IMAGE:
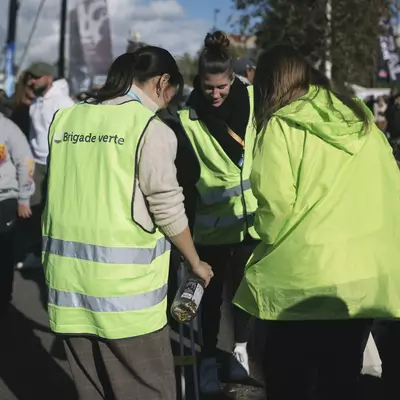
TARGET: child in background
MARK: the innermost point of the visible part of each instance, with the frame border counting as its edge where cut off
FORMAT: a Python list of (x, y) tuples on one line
[(16, 188)]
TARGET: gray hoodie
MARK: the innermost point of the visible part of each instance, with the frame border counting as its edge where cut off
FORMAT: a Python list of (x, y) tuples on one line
[(16, 163)]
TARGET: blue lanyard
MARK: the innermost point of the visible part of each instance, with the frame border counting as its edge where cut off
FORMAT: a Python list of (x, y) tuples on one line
[(134, 95)]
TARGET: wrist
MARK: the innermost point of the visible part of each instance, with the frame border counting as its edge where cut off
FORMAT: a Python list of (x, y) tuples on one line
[(23, 202), (194, 263)]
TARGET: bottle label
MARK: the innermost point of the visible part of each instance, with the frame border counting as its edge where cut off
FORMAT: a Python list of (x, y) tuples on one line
[(198, 294), (193, 291)]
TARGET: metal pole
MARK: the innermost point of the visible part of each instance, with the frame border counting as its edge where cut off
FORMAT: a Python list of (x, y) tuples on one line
[(28, 43), (10, 48), (193, 351), (12, 20), (63, 27), (328, 62), (181, 276)]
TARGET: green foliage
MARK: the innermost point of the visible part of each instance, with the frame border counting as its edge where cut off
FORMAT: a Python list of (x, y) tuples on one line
[(188, 67), (352, 40)]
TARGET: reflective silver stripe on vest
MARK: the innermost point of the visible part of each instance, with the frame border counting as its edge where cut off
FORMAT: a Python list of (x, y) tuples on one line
[(219, 195), (210, 221), (108, 304), (102, 254)]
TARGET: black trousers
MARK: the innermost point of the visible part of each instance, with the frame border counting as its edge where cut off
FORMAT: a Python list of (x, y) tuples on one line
[(228, 263), (319, 360), (8, 215), (387, 337)]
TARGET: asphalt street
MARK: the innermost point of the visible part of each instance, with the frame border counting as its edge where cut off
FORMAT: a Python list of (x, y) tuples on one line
[(33, 364), (32, 359)]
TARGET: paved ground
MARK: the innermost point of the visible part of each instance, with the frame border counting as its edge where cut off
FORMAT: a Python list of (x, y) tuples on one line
[(32, 360), (33, 365)]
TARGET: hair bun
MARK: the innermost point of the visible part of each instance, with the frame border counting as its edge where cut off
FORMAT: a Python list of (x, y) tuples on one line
[(216, 41)]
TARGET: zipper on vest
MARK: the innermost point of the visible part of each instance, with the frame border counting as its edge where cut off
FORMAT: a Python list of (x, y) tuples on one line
[(246, 228)]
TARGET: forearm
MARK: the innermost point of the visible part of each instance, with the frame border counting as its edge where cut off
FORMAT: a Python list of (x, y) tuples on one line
[(22, 159), (184, 243), (158, 181), (25, 171)]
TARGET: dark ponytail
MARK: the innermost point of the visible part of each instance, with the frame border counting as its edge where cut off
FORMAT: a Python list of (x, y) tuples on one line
[(139, 66), (215, 58)]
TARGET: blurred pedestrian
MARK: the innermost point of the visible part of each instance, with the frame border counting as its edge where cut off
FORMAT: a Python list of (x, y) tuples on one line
[(328, 192), (370, 102), (5, 104), (22, 100), (219, 124), (390, 107), (16, 188), (244, 69), (380, 108), (393, 117), (113, 203), (50, 95)]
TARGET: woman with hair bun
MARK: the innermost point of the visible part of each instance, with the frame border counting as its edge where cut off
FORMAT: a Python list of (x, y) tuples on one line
[(218, 124)]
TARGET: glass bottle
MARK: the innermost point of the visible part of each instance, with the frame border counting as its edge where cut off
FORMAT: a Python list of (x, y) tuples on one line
[(188, 297)]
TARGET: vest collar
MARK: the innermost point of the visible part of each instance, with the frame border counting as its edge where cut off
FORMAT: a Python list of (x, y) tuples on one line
[(193, 114), (145, 100)]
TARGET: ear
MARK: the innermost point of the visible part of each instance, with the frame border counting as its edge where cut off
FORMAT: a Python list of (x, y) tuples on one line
[(233, 77), (164, 80)]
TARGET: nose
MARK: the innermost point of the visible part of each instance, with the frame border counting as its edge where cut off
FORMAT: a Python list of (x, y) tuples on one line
[(216, 94)]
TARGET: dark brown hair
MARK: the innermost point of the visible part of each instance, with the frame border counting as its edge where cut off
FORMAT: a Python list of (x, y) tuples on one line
[(282, 76), (215, 58)]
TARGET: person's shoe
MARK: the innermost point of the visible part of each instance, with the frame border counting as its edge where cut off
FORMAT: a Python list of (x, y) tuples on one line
[(239, 369), (31, 261), (209, 381)]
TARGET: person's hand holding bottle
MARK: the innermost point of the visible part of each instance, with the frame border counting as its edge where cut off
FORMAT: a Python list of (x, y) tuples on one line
[(203, 271), (185, 245)]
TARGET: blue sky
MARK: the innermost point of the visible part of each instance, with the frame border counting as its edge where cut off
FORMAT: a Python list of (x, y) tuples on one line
[(204, 9)]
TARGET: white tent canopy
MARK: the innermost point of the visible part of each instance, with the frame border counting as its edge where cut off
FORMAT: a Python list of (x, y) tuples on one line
[(362, 92)]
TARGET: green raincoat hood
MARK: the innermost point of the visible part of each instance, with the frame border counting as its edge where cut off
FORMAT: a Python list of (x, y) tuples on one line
[(314, 113)]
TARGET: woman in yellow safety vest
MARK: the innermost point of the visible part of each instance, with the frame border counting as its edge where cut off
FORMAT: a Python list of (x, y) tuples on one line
[(113, 203), (218, 125), (328, 190)]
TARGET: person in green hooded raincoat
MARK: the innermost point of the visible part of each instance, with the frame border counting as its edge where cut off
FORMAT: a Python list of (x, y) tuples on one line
[(328, 192)]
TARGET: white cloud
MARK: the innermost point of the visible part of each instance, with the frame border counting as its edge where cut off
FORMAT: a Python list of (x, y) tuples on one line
[(159, 22)]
